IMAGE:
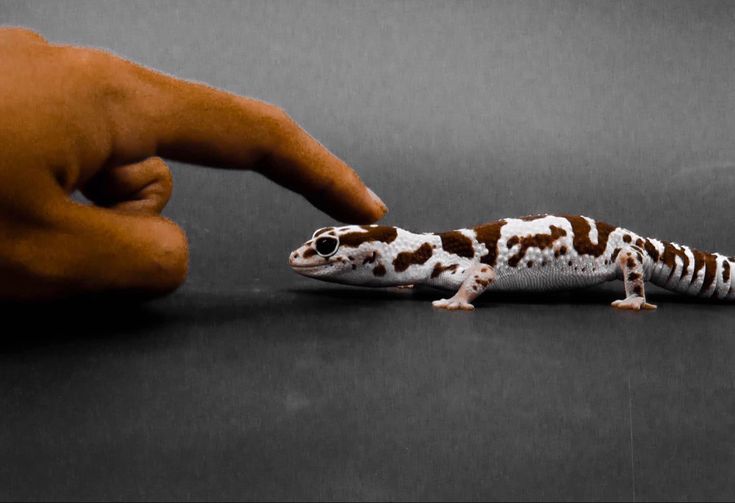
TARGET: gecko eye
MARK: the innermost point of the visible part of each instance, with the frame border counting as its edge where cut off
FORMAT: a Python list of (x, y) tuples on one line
[(327, 246)]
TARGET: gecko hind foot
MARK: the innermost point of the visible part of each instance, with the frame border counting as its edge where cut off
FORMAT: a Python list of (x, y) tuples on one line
[(453, 305), (633, 303)]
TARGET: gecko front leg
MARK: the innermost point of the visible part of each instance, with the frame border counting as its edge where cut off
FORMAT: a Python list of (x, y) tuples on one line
[(630, 261), (479, 277)]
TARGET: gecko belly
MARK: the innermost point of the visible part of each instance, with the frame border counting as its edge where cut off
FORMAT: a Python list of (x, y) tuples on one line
[(548, 280), (540, 276)]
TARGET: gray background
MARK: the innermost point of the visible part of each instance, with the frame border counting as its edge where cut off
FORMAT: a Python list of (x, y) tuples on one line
[(251, 382)]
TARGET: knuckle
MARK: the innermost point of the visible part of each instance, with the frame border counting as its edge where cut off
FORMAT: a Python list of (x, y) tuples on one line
[(279, 121), (86, 58), (25, 33), (171, 260), (163, 176), (277, 114), (160, 169), (101, 70)]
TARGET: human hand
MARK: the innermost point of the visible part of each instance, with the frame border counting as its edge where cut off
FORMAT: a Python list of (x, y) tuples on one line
[(75, 118)]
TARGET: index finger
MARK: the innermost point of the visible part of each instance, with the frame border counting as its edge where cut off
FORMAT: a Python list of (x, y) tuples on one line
[(199, 124)]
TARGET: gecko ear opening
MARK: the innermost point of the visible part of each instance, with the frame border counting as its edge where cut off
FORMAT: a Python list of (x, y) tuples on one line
[(327, 246)]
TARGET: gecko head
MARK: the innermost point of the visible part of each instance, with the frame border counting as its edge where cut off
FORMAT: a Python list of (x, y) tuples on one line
[(348, 254)]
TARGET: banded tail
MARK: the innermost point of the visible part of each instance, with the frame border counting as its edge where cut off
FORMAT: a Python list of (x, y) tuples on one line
[(690, 271)]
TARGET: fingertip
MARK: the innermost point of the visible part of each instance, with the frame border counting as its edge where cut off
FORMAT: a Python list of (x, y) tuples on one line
[(382, 208), (367, 209), (351, 205)]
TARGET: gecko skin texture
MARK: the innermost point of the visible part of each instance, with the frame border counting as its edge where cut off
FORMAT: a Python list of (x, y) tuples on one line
[(533, 254)]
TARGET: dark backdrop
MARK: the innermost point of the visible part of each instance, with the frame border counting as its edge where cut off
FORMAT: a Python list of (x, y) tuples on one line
[(251, 382)]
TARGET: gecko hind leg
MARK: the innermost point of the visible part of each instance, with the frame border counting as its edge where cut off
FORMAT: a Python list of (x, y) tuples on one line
[(479, 277), (630, 262)]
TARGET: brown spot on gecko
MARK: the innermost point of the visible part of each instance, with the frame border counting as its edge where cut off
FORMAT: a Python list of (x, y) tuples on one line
[(633, 276), (639, 243), (309, 252), (709, 262), (581, 229), (370, 259), (482, 282), (614, 254), (710, 270), (379, 270), (530, 263), (638, 290), (489, 234), (725, 271), (651, 250), (699, 263), (383, 233), (569, 263), (669, 259), (627, 238), (419, 256), (630, 262), (457, 243), (541, 241), (438, 269)]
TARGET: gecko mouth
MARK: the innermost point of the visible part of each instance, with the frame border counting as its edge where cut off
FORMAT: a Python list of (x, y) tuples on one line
[(308, 267)]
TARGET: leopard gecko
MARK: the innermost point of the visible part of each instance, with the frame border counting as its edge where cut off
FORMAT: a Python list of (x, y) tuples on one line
[(532, 253)]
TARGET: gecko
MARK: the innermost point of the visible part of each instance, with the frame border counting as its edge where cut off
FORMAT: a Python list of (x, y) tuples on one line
[(533, 253)]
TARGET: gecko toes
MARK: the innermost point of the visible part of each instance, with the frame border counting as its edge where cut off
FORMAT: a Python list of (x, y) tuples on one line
[(633, 303), (453, 305)]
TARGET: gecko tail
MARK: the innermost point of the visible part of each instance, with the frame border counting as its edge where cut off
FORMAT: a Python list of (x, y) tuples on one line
[(689, 271)]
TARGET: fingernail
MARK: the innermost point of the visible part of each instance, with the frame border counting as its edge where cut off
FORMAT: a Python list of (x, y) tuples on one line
[(378, 200)]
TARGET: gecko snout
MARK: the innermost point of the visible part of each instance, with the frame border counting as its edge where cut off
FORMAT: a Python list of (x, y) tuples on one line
[(305, 256)]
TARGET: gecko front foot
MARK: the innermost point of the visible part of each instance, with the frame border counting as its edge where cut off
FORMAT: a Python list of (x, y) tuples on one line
[(633, 303), (453, 304)]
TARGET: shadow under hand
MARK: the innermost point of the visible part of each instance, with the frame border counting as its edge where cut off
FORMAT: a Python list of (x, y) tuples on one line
[(39, 325)]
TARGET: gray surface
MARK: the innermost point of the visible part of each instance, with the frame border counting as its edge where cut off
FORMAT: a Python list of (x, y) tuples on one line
[(254, 383)]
